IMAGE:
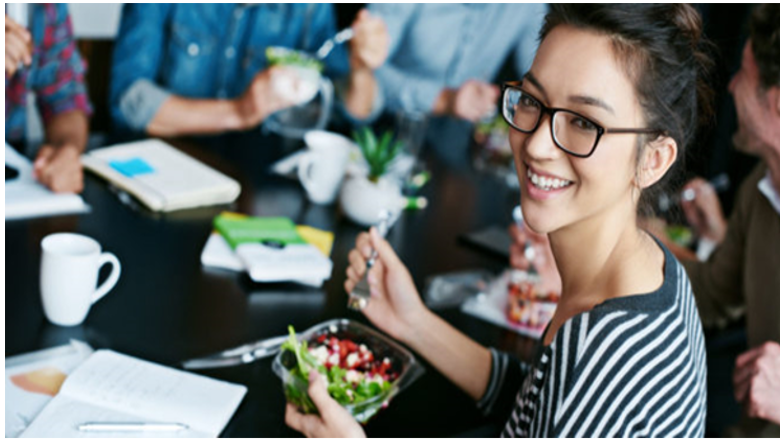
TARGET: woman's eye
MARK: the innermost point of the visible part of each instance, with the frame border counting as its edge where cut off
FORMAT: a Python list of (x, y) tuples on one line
[(527, 102), (583, 124)]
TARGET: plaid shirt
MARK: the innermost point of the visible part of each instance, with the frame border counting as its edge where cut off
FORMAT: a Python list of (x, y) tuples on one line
[(56, 74)]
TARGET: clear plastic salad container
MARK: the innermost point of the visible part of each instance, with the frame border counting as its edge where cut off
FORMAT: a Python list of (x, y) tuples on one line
[(403, 363)]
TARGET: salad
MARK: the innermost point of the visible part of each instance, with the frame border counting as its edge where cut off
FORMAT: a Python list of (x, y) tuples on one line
[(354, 374), (291, 57)]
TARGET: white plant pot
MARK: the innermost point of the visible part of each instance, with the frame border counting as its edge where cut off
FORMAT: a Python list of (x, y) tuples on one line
[(362, 200)]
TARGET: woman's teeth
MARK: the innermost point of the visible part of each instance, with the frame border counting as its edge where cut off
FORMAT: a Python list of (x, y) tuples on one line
[(547, 183)]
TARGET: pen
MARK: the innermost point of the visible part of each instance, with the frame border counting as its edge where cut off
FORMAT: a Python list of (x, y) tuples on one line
[(131, 426)]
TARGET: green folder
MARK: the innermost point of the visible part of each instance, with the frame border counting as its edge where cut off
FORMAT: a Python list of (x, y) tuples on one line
[(273, 230)]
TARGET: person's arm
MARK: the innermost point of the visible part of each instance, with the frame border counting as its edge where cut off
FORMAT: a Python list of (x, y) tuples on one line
[(139, 104), (704, 212), (402, 90), (352, 65), (58, 162), (528, 34), (18, 47), (717, 283), (179, 116), (396, 308), (369, 48), (63, 104)]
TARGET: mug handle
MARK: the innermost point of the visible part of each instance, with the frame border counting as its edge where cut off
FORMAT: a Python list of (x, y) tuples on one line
[(305, 164), (107, 257), (326, 90)]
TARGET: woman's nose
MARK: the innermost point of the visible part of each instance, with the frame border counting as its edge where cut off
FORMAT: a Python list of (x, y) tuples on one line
[(540, 144)]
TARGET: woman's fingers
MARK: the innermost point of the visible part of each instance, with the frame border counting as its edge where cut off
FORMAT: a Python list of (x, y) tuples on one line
[(306, 424), (352, 275), (357, 262), (363, 245)]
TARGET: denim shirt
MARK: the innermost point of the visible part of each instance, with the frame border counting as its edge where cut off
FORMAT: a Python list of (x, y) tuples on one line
[(206, 51), (433, 46)]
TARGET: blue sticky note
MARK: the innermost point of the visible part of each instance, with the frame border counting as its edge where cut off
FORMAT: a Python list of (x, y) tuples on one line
[(132, 167)]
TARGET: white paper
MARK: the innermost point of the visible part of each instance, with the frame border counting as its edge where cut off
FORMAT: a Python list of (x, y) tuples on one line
[(25, 197), (113, 387), (22, 402), (217, 253), (293, 262)]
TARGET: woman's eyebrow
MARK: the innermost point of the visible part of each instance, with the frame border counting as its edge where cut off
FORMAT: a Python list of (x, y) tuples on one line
[(590, 100), (579, 99), (532, 79)]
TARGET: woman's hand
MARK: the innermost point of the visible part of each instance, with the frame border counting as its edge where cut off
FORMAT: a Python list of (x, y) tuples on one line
[(333, 422), (395, 305)]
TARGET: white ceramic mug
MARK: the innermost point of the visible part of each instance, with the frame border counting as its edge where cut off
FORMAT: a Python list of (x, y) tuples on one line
[(321, 169), (69, 274)]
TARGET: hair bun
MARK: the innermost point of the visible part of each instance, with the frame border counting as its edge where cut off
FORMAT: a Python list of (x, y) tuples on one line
[(689, 22)]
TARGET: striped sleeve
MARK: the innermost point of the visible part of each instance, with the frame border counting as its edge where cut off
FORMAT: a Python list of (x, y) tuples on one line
[(506, 377)]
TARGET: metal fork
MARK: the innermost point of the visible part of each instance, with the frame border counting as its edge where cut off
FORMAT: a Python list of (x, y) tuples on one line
[(358, 298)]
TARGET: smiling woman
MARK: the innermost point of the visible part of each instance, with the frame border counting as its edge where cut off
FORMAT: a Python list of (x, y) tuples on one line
[(608, 105), (611, 349)]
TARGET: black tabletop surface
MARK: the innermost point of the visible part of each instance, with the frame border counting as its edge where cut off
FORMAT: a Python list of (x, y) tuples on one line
[(167, 307)]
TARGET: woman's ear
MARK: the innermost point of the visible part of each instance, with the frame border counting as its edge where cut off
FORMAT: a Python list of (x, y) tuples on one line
[(657, 157)]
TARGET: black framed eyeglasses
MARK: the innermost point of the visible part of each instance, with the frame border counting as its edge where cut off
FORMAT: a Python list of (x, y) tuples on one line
[(572, 132)]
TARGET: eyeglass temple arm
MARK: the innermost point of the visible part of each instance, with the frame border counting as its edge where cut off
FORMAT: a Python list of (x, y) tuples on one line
[(633, 130)]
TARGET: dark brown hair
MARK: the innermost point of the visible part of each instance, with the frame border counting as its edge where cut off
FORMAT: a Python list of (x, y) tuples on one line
[(665, 55), (765, 42)]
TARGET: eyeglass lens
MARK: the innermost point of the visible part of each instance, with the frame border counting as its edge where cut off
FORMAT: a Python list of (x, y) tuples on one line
[(571, 131)]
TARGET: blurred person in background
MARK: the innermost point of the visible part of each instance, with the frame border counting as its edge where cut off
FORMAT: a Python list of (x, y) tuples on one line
[(41, 57), (742, 276), (443, 57), (190, 69)]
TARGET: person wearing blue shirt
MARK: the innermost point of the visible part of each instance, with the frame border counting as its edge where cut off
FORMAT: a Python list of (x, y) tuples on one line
[(443, 56), (194, 69)]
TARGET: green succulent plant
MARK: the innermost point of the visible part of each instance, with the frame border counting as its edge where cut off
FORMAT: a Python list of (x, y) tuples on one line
[(379, 153)]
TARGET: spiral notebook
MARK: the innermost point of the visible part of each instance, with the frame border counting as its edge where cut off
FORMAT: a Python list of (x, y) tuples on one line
[(112, 387)]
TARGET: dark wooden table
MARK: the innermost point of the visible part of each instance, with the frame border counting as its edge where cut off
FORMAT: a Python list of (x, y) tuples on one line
[(166, 307)]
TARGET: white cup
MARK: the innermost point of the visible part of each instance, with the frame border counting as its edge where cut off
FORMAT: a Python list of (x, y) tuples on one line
[(321, 169), (69, 274)]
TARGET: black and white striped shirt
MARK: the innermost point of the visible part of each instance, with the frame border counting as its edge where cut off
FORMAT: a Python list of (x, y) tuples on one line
[(631, 367)]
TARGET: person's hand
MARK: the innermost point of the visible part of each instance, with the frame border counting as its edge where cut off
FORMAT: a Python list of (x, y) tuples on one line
[(260, 99), (333, 421), (18, 46), (757, 381), (471, 101), (704, 213), (395, 306), (371, 42), (59, 168), (543, 260)]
